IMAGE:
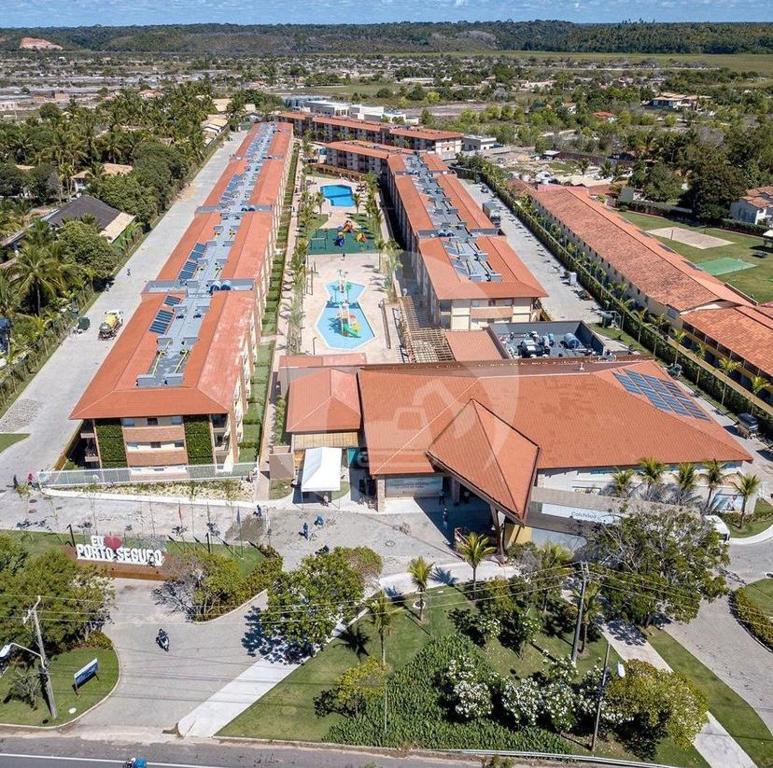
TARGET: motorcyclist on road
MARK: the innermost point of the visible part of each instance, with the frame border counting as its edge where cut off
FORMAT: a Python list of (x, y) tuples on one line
[(162, 639)]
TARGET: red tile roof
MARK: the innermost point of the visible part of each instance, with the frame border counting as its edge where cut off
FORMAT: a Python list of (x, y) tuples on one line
[(348, 122), (471, 346), (325, 401), (659, 273), (746, 331), (470, 212), (448, 283), (320, 361), (366, 148), (576, 412), (428, 134), (210, 374), (760, 197), (489, 456)]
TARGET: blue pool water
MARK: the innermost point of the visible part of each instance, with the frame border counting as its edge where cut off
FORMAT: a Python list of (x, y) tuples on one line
[(330, 325), (338, 195)]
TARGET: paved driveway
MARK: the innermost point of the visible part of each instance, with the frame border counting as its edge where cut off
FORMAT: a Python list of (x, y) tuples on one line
[(43, 408), (156, 688)]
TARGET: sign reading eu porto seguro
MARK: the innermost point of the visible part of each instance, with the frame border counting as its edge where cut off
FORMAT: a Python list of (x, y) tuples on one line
[(85, 673), (110, 549)]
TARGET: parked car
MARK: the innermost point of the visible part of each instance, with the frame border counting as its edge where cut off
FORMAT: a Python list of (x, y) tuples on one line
[(747, 425)]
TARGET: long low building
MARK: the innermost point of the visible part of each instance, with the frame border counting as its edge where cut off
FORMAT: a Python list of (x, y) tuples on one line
[(499, 429), (722, 320), (467, 273), (446, 144), (174, 389), (360, 156)]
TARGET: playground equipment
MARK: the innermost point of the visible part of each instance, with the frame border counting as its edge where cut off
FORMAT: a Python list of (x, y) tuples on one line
[(347, 227), (348, 324), (111, 322), (360, 237)]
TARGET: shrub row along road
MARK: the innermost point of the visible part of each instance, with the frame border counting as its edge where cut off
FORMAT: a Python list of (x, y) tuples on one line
[(44, 406)]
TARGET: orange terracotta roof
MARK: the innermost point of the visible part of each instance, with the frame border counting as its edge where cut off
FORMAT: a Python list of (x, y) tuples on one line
[(414, 204), (294, 115), (760, 197), (250, 249), (428, 134), (448, 283), (209, 378), (200, 230), (268, 183), (348, 122), (746, 331), (280, 143), (470, 212), (576, 412), (489, 456), (659, 273), (470, 346), (325, 401), (434, 162), (366, 148), (320, 361)]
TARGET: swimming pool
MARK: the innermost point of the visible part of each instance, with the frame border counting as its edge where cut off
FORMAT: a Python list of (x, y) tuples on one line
[(342, 330), (338, 195)]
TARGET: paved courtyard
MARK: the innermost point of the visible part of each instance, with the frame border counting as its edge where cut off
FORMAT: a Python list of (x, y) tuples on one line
[(43, 408)]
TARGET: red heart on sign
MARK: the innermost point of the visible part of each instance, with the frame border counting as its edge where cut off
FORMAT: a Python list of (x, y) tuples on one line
[(113, 542)]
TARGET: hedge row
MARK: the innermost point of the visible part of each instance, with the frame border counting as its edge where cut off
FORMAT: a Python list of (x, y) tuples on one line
[(752, 617), (111, 445)]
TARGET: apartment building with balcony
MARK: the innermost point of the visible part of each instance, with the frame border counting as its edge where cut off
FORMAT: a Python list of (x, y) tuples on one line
[(174, 388)]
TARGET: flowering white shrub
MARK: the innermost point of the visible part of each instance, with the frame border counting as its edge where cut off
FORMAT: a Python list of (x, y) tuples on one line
[(470, 693), (522, 700)]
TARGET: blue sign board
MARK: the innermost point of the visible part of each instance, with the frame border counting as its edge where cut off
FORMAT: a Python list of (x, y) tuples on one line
[(86, 673)]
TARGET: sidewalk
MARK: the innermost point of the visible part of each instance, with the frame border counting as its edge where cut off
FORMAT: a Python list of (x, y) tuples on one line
[(229, 702), (758, 538), (714, 743)]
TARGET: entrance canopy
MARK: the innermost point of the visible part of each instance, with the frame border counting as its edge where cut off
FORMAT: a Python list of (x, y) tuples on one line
[(321, 470)]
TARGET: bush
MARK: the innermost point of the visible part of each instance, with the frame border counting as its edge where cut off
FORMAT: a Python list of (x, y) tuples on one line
[(363, 561), (418, 715), (98, 639), (752, 618)]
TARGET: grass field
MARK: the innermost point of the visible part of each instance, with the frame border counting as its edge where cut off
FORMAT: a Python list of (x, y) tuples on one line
[(756, 282), (7, 439), (62, 669), (761, 594), (287, 712), (738, 718)]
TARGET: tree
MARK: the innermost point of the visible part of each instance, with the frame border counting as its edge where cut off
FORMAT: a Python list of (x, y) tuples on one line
[(36, 273), (662, 184), (728, 367), (622, 483), (714, 475), (474, 549), (591, 608), (651, 470), (715, 185), (686, 481), (305, 605), (554, 565), (12, 180), (83, 244), (26, 686), (679, 337), (381, 612), (655, 704), (747, 486), (358, 685), (658, 561), (420, 571)]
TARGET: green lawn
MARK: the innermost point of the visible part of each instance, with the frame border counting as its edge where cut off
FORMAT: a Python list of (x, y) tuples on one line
[(761, 594), (287, 712), (7, 439), (756, 281), (62, 669), (738, 718), (755, 523)]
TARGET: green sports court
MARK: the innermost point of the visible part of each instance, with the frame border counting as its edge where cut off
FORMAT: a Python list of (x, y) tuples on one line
[(724, 265), (323, 241)]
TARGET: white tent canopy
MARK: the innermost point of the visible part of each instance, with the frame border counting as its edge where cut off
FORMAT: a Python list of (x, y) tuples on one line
[(321, 470)]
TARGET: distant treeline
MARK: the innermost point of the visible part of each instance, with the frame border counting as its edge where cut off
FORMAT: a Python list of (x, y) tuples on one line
[(560, 36)]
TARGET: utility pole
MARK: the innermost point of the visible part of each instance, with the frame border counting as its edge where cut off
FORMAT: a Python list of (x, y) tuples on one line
[(602, 685), (580, 609), (43, 658)]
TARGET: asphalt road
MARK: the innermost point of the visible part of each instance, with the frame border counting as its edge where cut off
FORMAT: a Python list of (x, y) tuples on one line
[(62, 752)]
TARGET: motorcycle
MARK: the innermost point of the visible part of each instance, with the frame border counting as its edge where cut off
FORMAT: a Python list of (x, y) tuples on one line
[(163, 640)]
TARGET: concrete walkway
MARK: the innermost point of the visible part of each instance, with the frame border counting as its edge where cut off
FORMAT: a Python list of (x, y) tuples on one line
[(715, 744), (229, 702), (758, 538), (42, 410)]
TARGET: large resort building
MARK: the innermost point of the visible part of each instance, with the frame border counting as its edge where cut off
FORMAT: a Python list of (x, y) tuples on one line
[(173, 391), (723, 321)]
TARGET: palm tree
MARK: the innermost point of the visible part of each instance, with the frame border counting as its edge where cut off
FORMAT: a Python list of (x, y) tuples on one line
[(640, 315), (319, 201), (591, 608), (553, 562), (700, 352), (474, 549), (381, 612), (758, 385), (714, 475), (679, 337), (621, 483), (357, 197), (686, 481), (747, 486), (727, 367), (651, 471), (420, 571), (34, 271)]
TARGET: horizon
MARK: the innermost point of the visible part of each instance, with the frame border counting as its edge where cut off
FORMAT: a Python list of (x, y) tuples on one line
[(24, 14)]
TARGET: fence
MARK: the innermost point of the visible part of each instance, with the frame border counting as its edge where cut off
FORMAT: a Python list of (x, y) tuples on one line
[(74, 478)]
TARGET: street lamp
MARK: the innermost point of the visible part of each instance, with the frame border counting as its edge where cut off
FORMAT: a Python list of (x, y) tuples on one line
[(602, 688)]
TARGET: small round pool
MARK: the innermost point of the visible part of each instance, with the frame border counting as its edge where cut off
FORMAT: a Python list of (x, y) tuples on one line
[(338, 195)]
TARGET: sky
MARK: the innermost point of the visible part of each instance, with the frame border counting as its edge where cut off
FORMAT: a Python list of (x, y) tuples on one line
[(70, 13)]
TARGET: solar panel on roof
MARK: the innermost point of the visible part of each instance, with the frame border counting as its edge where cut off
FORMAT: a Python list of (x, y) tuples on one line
[(172, 301), (665, 395)]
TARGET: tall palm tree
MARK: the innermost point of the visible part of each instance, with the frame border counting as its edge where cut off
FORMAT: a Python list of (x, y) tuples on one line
[(420, 571), (679, 337), (319, 201), (39, 234), (35, 272), (686, 481), (381, 612), (714, 475), (474, 549), (553, 563), (640, 315), (651, 471), (747, 486), (591, 608), (758, 385), (621, 483), (727, 367), (357, 197)]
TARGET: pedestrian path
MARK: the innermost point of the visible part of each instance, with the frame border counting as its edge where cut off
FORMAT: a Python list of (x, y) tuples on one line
[(717, 747), (229, 702)]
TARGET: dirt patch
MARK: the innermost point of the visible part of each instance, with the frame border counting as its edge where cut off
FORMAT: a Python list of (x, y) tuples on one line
[(689, 237)]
